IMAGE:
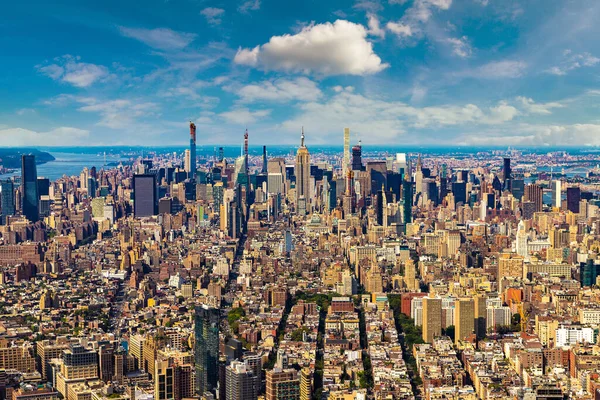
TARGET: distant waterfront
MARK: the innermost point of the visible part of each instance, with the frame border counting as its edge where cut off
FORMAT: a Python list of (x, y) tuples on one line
[(70, 164), (70, 161)]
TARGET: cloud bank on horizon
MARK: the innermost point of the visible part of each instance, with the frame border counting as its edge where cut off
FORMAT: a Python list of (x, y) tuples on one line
[(414, 72)]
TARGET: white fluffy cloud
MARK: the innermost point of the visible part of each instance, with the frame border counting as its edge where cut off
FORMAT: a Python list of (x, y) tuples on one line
[(280, 90), (71, 70), (340, 48), (159, 38), (213, 15), (57, 136), (244, 116)]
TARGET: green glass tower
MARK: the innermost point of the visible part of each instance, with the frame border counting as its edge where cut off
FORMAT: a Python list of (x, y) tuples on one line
[(206, 349)]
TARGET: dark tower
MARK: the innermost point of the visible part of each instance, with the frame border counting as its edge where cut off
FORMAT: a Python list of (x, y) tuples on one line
[(407, 188), (357, 157), (264, 166), (193, 150), (144, 195), (380, 194), (573, 199), (246, 150), (206, 352), (507, 174), (7, 199), (29, 187)]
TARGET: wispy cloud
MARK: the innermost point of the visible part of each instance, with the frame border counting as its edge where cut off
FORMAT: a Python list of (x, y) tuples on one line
[(504, 69), (249, 5), (278, 90), (460, 46), (532, 107), (213, 15), (159, 38), (416, 16), (54, 137), (244, 116), (573, 61), (120, 113), (374, 27), (69, 69)]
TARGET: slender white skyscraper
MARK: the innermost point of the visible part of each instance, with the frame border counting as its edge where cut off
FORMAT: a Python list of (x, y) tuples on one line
[(346, 158), (557, 194)]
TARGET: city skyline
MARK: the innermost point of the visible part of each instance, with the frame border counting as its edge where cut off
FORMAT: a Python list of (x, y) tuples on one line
[(476, 73)]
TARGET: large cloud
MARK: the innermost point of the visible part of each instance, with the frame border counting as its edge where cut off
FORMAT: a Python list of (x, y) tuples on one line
[(382, 120), (340, 48)]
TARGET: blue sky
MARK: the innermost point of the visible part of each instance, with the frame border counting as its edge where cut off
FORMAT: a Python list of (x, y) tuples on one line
[(415, 72)]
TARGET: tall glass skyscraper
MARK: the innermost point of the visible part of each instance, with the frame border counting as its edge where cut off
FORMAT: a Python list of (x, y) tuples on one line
[(206, 350), (7, 189), (29, 187), (192, 150), (144, 195)]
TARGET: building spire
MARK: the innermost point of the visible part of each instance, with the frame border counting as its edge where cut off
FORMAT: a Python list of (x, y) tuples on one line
[(302, 138)]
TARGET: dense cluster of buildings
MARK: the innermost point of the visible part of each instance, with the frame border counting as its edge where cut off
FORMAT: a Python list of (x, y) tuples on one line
[(306, 276)]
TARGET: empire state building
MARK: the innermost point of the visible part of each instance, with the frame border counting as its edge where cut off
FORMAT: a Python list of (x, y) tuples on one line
[(302, 171)]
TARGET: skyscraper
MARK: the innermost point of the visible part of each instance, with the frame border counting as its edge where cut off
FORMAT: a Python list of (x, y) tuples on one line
[(7, 201), (282, 384), (206, 349), (164, 380), (407, 198), (302, 172), (432, 318), (187, 161), (459, 190), (193, 150), (480, 315), (534, 193), (357, 157), (507, 174), (144, 195), (346, 155), (573, 199), (246, 151), (557, 194), (29, 187), (464, 318), (241, 382), (265, 163)]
